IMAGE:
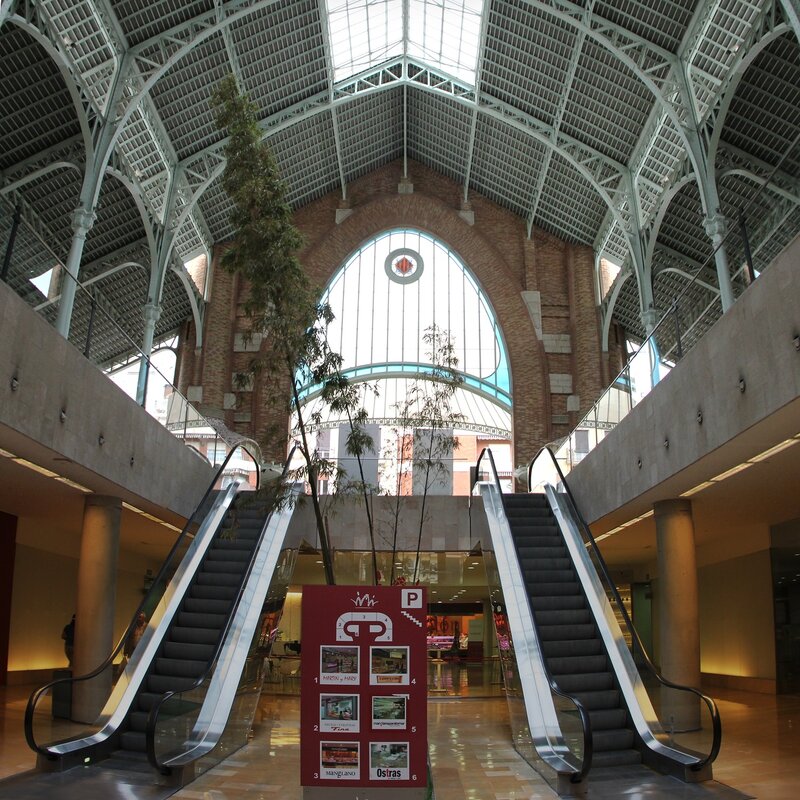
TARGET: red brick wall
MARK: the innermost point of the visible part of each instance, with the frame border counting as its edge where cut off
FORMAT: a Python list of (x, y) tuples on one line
[(498, 252)]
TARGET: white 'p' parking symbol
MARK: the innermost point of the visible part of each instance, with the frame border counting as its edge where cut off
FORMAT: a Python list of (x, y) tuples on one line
[(411, 598)]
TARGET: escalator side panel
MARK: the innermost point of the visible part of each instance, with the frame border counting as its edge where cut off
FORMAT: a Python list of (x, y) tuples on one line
[(542, 718), (642, 716), (570, 641), (216, 709)]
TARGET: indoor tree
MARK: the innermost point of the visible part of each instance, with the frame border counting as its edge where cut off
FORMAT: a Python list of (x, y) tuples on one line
[(434, 414), (282, 305)]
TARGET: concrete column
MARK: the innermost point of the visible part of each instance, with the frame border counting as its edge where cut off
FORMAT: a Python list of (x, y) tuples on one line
[(678, 612), (94, 620), (82, 221), (716, 228)]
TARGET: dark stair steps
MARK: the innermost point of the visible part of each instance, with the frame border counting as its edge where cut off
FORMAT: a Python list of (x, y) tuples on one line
[(570, 640), (190, 642)]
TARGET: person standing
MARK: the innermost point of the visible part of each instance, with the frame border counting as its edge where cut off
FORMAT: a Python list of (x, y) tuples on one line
[(68, 635), (135, 635)]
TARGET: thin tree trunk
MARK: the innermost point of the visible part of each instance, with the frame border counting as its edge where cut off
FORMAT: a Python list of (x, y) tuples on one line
[(397, 502), (312, 480), (366, 505), (424, 499)]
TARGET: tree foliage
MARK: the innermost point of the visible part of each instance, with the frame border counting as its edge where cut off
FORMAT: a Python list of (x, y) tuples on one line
[(435, 416), (282, 305), (424, 438)]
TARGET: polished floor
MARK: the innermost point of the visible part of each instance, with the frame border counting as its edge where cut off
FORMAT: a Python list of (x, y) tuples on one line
[(470, 752)]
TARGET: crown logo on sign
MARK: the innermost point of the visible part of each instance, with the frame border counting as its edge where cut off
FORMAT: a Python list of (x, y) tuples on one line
[(362, 600)]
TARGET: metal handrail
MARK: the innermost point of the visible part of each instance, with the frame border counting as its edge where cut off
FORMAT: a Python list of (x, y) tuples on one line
[(709, 702), (586, 723), (152, 718), (33, 700)]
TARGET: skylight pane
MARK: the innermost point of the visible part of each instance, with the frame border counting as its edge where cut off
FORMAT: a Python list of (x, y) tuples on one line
[(441, 33), (445, 33), (363, 33)]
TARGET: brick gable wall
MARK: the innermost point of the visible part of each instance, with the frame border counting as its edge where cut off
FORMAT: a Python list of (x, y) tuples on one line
[(557, 275)]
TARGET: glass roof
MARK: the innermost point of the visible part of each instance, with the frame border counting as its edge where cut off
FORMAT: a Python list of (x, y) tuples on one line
[(441, 33), (480, 414)]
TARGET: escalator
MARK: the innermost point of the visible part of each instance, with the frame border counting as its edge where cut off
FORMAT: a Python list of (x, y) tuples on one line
[(191, 641), (180, 696), (587, 710), (571, 642)]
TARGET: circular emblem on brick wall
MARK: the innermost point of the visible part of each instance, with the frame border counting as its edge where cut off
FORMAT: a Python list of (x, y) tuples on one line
[(404, 265)]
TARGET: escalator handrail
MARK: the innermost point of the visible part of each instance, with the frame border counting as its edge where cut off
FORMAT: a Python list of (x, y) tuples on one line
[(33, 700), (586, 723), (152, 718), (611, 585)]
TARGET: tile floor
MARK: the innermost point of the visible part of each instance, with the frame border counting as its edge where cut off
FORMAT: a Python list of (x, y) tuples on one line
[(470, 751)]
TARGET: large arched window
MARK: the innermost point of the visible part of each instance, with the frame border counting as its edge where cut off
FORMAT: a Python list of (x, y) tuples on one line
[(384, 297)]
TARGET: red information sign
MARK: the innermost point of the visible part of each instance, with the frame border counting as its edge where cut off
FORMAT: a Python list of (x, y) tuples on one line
[(363, 700)]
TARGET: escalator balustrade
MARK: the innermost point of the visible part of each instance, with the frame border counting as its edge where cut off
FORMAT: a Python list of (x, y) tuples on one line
[(569, 636), (192, 638)]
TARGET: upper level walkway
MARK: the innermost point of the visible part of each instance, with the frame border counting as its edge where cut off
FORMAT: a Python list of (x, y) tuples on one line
[(722, 426)]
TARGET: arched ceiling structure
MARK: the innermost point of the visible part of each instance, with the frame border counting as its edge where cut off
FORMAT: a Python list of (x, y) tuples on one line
[(600, 121)]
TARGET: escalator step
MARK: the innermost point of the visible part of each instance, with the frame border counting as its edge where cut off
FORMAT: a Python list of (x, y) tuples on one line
[(193, 635), (608, 718), (563, 616), (138, 721), (146, 700), (217, 579), (133, 740), (188, 651), (605, 699), (526, 500), (231, 544), (253, 522), (538, 563), (572, 647), (130, 761), (158, 684), (566, 632), (213, 592), (576, 665), (585, 682), (179, 667), (553, 589), (535, 553), (234, 527), (213, 566), (540, 542), (220, 554), (202, 605), (521, 530), (615, 739), (538, 576), (615, 758), (251, 509), (520, 512), (566, 602), (187, 619)]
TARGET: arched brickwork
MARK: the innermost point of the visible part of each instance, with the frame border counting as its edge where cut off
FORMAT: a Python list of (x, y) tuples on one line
[(496, 249), (432, 215)]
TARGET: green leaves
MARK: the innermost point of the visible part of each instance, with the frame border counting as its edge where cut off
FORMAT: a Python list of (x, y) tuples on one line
[(281, 305)]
